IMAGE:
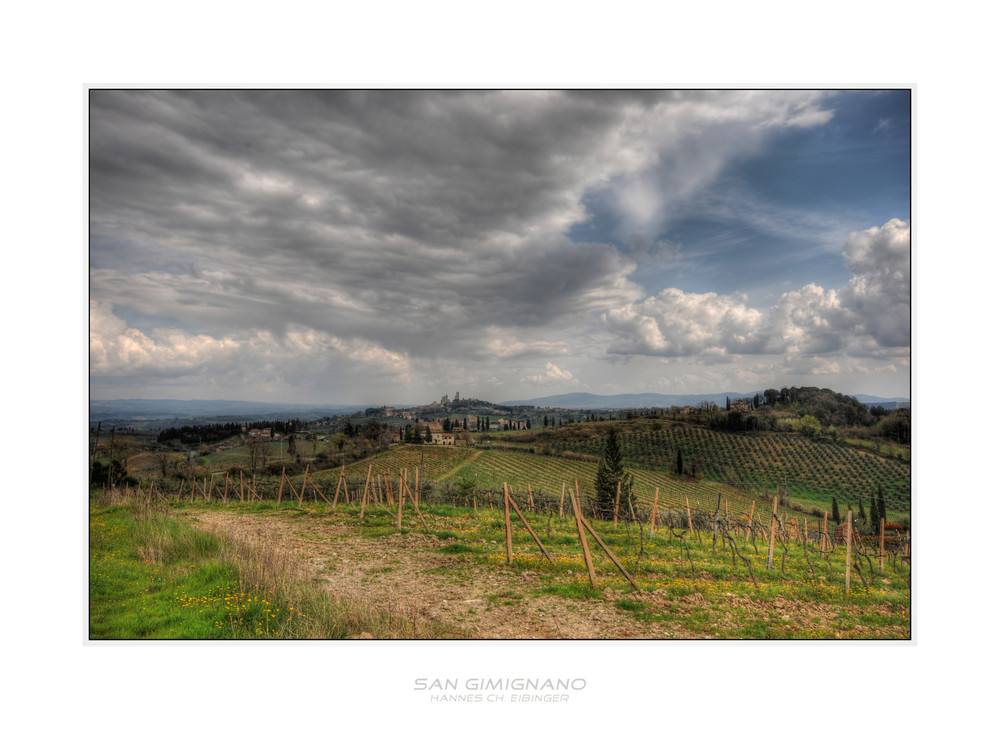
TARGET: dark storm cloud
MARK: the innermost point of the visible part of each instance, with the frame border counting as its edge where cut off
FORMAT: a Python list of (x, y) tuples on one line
[(385, 231), (408, 204)]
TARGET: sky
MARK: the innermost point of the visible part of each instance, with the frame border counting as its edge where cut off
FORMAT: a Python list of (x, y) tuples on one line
[(389, 247)]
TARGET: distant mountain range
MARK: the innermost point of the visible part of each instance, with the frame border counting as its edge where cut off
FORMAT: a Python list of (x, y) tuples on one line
[(240, 410), (235, 409)]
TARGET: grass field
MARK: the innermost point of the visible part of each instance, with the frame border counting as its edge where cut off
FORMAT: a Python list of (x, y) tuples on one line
[(152, 575)]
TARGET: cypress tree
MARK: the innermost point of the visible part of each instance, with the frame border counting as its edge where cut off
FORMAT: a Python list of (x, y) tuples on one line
[(835, 511), (611, 472)]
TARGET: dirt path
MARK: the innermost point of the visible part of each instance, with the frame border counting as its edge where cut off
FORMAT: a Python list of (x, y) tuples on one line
[(406, 572), (471, 459)]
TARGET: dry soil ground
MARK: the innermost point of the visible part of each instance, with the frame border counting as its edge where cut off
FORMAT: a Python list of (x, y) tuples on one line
[(409, 575)]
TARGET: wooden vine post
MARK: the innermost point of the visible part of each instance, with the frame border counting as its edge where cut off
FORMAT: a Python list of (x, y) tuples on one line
[(823, 537), (770, 539), (364, 495), (303, 491), (618, 496), (562, 499), (847, 572), (715, 522), (336, 494), (881, 544), (652, 518), (281, 485), (508, 540), (583, 538), (399, 504), (750, 521)]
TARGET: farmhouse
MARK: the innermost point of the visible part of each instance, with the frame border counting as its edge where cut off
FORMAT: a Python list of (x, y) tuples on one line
[(445, 439)]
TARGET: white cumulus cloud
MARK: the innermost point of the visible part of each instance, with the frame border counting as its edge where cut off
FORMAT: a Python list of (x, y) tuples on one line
[(870, 313)]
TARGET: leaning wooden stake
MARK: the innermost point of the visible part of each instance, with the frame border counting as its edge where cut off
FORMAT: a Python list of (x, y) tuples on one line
[(824, 537), (612, 557), (281, 486), (562, 498), (618, 496), (578, 515), (506, 525), (318, 490), (847, 572), (527, 526), (416, 507), (364, 494), (770, 540)]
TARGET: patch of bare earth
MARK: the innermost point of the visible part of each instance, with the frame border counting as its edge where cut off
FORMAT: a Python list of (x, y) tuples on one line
[(408, 574)]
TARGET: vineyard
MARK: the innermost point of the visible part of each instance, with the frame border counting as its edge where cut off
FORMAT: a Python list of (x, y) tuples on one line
[(495, 562), (489, 541), (806, 467)]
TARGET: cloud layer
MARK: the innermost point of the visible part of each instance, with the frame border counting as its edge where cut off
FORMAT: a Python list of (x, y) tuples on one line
[(341, 244)]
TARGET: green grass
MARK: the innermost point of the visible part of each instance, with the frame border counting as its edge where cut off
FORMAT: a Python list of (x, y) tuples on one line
[(155, 577)]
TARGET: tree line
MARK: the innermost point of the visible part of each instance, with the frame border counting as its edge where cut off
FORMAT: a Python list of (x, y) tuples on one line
[(215, 432)]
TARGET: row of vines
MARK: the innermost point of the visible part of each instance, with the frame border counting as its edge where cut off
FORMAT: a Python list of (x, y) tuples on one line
[(805, 466)]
